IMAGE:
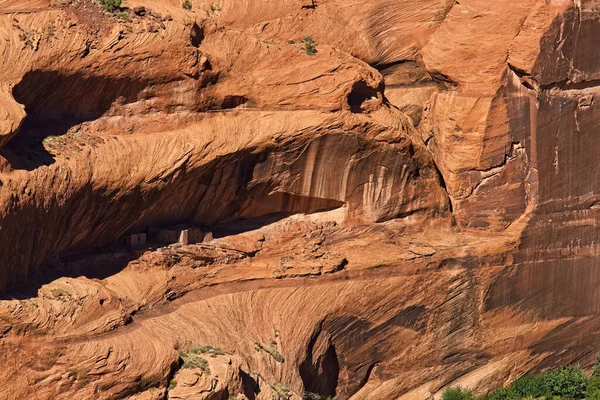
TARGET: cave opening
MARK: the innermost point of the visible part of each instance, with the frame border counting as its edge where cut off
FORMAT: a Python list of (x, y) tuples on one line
[(54, 103), (319, 371), (360, 93), (197, 35), (233, 101)]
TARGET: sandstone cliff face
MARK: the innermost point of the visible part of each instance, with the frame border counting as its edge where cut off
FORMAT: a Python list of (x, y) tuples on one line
[(413, 206)]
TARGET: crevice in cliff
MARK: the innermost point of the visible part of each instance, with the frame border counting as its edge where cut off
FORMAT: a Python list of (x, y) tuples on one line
[(311, 6), (249, 385), (443, 184), (381, 67), (365, 380), (443, 81), (567, 84), (319, 372), (526, 79)]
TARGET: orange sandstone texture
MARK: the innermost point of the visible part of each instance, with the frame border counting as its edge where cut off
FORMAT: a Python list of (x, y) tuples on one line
[(411, 207)]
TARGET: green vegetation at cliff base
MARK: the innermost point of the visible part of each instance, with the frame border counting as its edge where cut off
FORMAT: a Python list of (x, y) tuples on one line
[(567, 383)]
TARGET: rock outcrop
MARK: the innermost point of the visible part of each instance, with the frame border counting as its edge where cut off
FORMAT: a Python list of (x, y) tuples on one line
[(395, 196)]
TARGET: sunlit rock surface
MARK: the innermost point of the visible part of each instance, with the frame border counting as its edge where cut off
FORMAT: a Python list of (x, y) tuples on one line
[(411, 207)]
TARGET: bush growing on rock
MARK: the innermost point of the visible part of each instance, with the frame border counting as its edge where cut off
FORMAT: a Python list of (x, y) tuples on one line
[(110, 5), (592, 390), (503, 394), (282, 391), (569, 382), (310, 47), (529, 386), (192, 361), (186, 5), (271, 350), (458, 393), (564, 383), (596, 371), (207, 349), (124, 15), (314, 396)]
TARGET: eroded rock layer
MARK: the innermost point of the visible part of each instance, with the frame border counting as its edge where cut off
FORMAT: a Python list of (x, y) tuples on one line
[(266, 200)]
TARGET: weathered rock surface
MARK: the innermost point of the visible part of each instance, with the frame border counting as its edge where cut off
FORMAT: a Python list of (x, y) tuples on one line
[(410, 207)]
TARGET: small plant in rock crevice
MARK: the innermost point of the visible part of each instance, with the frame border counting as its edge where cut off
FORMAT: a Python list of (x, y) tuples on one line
[(314, 396), (282, 391), (60, 294), (186, 5), (271, 350)]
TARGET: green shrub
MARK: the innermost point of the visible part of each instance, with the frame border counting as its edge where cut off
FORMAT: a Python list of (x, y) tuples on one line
[(110, 5), (272, 351), (186, 5), (457, 393), (529, 386), (54, 141), (596, 371), (568, 382), (314, 396), (283, 393), (191, 361), (208, 349), (310, 47), (593, 383), (503, 394), (592, 390)]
